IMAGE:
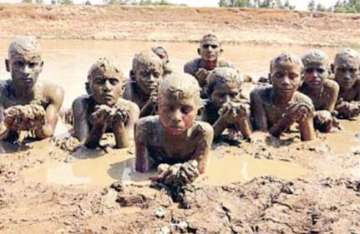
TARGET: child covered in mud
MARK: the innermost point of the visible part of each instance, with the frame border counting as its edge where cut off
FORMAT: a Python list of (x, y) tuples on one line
[(276, 107), (210, 50), (322, 90), (142, 87), (346, 69), (173, 141), (164, 56), (27, 104), (226, 109), (103, 109)]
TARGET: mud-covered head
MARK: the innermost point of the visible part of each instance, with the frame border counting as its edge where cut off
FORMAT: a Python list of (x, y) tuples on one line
[(346, 68), (286, 73), (147, 70), (316, 68), (210, 47), (224, 85), (105, 82), (24, 61), (179, 101), (162, 53)]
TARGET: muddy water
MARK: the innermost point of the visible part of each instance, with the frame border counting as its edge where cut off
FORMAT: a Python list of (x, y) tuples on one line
[(97, 169), (67, 61), (346, 141)]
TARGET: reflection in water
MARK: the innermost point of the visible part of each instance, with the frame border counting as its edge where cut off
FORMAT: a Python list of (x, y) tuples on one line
[(230, 168), (103, 170), (347, 140)]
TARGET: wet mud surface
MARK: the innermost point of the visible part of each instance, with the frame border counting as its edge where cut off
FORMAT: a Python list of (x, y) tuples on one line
[(268, 186)]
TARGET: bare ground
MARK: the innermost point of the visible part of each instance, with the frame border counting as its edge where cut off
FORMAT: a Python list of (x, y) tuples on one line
[(180, 24)]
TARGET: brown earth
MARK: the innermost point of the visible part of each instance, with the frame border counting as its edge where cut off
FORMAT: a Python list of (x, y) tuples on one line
[(180, 24), (276, 186)]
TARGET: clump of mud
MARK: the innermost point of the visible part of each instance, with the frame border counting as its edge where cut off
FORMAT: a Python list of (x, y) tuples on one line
[(25, 117)]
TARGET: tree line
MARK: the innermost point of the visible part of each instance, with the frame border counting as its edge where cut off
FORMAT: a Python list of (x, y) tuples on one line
[(341, 6)]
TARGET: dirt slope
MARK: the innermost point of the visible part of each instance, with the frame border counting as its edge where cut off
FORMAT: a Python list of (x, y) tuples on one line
[(179, 24)]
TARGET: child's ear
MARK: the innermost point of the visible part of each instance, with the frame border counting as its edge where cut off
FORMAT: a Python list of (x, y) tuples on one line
[(332, 68), (221, 50), (7, 65), (198, 51), (269, 78), (87, 88), (132, 75)]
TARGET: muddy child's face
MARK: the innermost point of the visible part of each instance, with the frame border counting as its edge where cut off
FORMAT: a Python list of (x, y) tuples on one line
[(346, 74), (177, 114), (225, 92), (25, 69), (209, 50), (286, 79), (148, 78), (315, 74), (105, 89)]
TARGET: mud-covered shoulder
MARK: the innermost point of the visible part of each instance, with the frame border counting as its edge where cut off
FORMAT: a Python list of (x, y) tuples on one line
[(331, 86), (202, 130), (146, 128), (302, 98), (127, 89), (224, 63), (262, 93), (52, 92), (122, 102), (80, 103), (192, 66)]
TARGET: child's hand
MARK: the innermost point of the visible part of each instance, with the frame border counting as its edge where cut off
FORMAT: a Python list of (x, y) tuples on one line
[(120, 115), (201, 76), (101, 114), (298, 112), (27, 117), (348, 110), (177, 174)]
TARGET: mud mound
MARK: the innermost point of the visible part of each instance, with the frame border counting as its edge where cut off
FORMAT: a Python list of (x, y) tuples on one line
[(180, 24)]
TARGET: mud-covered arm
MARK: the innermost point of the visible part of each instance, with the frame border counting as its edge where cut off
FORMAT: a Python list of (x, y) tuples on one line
[(280, 126), (219, 126), (204, 136), (3, 129), (190, 68), (142, 162), (123, 130), (306, 127), (56, 97), (357, 90), (258, 112), (81, 124), (333, 96)]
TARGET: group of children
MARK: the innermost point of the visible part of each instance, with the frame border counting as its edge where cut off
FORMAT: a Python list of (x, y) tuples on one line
[(174, 117)]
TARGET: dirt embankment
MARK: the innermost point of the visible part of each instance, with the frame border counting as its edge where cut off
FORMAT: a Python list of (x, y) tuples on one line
[(180, 24)]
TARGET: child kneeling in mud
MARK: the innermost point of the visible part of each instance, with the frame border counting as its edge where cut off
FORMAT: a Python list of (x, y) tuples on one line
[(173, 140), (226, 109), (275, 108), (103, 110), (346, 69), (322, 90), (27, 104)]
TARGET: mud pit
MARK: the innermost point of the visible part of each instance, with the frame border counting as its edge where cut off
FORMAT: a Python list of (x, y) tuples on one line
[(269, 186)]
